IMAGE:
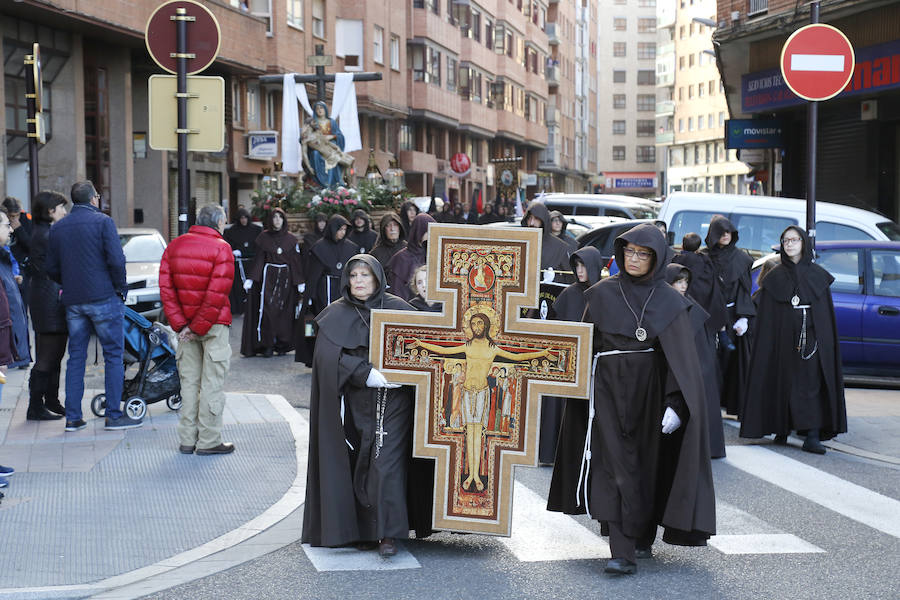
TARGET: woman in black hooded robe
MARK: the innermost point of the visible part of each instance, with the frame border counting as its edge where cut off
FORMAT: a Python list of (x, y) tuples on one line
[(389, 243), (587, 264), (408, 212), (361, 232), (796, 379), (326, 264), (275, 275), (403, 264), (554, 252), (645, 457), (241, 236), (732, 270), (356, 482)]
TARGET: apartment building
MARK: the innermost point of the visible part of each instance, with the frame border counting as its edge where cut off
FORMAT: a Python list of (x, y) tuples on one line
[(692, 110)]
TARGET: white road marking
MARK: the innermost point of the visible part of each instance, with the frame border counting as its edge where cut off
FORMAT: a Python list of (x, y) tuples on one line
[(739, 532), (351, 559), (817, 62), (843, 497), (541, 535)]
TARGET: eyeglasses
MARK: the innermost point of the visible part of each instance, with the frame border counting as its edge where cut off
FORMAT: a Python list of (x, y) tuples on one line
[(790, 241), (642, 255)]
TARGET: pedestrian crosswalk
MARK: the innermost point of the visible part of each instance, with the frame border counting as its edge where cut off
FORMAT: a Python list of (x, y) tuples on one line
[(539, 535)]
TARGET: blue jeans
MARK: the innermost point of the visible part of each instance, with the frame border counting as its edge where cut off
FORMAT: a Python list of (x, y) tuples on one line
[(105, 319)]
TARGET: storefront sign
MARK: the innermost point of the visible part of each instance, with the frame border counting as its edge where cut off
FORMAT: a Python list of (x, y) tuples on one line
[(262, 144), (754, 133), (616, 181), (877, 69)]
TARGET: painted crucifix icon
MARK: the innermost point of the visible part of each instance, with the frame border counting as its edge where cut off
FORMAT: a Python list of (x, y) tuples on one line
[(480, 369)]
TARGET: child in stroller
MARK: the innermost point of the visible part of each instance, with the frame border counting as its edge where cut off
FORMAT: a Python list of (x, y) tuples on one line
[(147, 345)]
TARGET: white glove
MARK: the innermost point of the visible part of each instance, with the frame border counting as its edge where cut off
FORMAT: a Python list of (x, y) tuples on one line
[(377, 380), (670, 421), (301, 287), (549, 275), (740, 326), (237, 253), (248, 283)]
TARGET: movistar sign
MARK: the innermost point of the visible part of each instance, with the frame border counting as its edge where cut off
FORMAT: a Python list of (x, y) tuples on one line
[(754, 133)]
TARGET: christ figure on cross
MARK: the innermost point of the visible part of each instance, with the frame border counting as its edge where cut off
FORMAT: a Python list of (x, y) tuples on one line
[(480, 351)]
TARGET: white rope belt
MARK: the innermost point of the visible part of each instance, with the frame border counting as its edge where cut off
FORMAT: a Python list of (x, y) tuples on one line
[(262, 297)]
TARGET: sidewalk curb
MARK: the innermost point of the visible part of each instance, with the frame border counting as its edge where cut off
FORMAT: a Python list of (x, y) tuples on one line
[(164, 574)]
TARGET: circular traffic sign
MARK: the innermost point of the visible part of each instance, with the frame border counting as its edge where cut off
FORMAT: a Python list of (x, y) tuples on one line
[(203, 36), (817, 62)]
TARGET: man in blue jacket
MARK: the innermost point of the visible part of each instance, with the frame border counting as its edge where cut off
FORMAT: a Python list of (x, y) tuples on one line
[(84, 255)]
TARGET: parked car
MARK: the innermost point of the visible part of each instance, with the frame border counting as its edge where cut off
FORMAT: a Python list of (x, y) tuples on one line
[(761, 219), (143, 248), (576, 227), (866, 292), (601, 205)]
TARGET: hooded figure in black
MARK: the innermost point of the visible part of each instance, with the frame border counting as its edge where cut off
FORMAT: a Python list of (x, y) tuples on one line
[(317, 224), (704, 286), (682, 279), (587, 264), (796, 380), (403, 264), (275, 275), (241, 235), (732, 270), (408, 212), (360, 232), (328, 257), (646, 459), (555, 217), (389, 244), (554, 251), (356, 486)]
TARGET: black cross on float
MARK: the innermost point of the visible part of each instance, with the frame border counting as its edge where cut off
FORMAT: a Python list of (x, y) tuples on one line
[(320, 60)]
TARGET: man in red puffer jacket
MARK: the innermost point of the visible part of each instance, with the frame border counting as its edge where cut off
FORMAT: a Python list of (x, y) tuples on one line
[(195, 277)]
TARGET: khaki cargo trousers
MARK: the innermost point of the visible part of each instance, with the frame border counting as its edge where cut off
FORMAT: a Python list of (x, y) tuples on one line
[(202, 365)]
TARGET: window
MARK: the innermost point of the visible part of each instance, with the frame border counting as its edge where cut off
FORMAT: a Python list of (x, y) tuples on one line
[(348, 42), (709, 121), (318, 18), (721, 119), (407, 136), (645, 127), (680, 63), (647, 3), (489, 34), (680, 94), (237, 112), (646, 102), (618, 48), (701, 90), (690, 60), (273, 101), (618, 100), (690, 123), (843, 264), (395, 52), (426, 64), (618, 127), (681, 32), (619, 24), (618, 153), (646, 50), (618, 76), (712, 87), (826, 231), (295, 13), (646, 24), (690, 91), (253, 105), (699, 121), (646, 77), (709, 152), (646, 154), (680, 125), (451, 74), (378, 45)]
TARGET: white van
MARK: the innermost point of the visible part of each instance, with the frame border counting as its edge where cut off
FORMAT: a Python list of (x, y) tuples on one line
[(600, 205), (761, 219)]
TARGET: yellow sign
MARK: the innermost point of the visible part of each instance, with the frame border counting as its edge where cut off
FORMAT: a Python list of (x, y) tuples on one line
[(205, 113)]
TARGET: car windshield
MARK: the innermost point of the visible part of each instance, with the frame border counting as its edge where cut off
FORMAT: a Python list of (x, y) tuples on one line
[(645, 211), (891, 230), (141, 247)]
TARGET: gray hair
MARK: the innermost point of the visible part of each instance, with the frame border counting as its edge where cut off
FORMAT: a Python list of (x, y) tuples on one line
[(210, 215)]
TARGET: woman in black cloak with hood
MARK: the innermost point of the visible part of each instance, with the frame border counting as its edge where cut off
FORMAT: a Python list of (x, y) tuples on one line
[(796, 379), (326, 264), (405, 262), (356, 482), (554, 252), (391, 240), (361, 232), (587, 264), (277, 280), (558, 225), (645, 456), (241, 236), (408, 212), (681, 278), (732, 270)]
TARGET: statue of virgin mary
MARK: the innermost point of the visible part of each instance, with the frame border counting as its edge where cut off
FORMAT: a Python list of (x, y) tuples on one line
[(323, 145)]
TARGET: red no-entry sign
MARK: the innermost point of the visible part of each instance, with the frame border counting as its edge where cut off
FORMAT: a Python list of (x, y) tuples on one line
[(817, 62), (202, 40)]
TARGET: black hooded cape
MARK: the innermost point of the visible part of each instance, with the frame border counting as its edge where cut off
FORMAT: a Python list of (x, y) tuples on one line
[(351, 495), (569, 240), (365, 239), (569, 306), (405, 262), (786, 392), (329, 255), (638, 476), (385, 249), (242, 238)]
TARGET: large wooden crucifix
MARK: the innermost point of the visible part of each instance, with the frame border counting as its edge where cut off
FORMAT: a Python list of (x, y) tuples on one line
[(320, 60), (479, 369)]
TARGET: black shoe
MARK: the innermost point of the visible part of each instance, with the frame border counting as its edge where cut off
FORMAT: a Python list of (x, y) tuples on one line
[(55, 407), (75, 425), (643, 552), (620, 566), (42, 414), (186, 449), (387, 548), (267, 353), (223, 448), (781, 439), (812, 443), (122, 422)]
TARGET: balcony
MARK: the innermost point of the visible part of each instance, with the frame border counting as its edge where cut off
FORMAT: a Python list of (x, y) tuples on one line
[(552, 37), (665, 79), (553, 76), (665, 108), (552, 114), (664, 49), (666, 138), (413, 161)]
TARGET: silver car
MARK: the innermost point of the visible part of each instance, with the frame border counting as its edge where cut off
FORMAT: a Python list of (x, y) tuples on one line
[(143, 248)]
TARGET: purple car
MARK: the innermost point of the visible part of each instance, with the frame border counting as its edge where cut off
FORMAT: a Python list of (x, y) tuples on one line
[(866, 292)]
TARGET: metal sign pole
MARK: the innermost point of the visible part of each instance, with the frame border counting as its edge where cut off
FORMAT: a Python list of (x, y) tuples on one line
[(181, 18), (34, 131), (812, 124)]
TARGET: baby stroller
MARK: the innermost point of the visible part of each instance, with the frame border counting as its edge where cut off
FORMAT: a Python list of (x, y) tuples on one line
[(147, 346)]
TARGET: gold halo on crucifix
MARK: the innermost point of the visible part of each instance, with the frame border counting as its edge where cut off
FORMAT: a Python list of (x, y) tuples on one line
[(488, 311)]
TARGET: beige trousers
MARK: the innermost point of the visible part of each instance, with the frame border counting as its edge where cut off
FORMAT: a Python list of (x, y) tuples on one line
[(202, 365)]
